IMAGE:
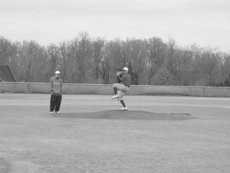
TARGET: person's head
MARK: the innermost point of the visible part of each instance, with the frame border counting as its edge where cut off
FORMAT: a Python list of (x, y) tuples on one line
[(57, 74), (125, 70)]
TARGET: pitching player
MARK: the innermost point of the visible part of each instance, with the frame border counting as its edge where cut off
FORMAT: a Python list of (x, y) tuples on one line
[(122, 87), (56, 92)]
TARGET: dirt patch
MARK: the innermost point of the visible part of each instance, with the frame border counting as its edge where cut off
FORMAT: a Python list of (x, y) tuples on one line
[(127, 115)]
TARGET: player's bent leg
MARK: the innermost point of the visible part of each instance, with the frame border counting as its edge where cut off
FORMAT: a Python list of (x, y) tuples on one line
[(121, 90), (120, 95), (118, 86), (114, 89), (120, 98), (114, 96)]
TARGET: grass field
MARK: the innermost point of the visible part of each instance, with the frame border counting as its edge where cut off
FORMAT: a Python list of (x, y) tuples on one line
[(158, 134)]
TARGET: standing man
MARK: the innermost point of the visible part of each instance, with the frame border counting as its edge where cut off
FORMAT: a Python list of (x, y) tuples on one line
[(56, 92), (122, 87)]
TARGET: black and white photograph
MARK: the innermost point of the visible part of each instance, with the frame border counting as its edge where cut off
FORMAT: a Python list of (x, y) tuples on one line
[(114, 86)]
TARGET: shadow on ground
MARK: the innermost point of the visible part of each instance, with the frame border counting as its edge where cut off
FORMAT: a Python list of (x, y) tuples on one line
[(128, 115)]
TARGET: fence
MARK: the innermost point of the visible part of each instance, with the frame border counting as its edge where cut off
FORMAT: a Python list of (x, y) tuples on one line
[(77, 88)]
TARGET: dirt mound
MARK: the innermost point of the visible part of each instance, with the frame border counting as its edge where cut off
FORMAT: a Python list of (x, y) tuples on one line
[(127, 115)]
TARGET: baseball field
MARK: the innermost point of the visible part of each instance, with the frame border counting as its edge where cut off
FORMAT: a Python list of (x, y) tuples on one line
[(158, 134)]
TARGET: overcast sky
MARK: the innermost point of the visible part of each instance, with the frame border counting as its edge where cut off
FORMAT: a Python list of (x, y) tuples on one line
[(205, 22)]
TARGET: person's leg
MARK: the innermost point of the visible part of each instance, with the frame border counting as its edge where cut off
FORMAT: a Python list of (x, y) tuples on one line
[(120, 98), (121, 92), (123, 103), (121, 87), (58, 103), (55, 101), (120, 95), (115, 90), (124, 108), (52, 102), (118, 87), (115, 85)]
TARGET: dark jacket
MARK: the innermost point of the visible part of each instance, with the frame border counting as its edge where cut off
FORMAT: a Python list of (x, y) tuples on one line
[(56, 85), (126, 79), (119, 76)]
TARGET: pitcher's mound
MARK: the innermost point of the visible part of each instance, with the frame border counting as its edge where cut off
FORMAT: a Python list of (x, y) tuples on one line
[(128, 115)]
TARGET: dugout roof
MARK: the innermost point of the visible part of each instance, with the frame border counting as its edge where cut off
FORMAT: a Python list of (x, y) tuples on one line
[(6, 74)]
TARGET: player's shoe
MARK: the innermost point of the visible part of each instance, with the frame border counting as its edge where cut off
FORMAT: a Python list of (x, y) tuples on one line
[(114, 97), (51, 112), (57, 112), (124, 108)]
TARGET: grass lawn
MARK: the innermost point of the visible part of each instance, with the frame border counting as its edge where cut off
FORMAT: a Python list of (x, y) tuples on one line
[(158, 134)]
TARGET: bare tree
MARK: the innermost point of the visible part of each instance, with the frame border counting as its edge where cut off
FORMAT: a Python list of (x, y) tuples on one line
[(156, 55), (84, 56), (97, 46), (54, 57), (5, 51), (136, 55)]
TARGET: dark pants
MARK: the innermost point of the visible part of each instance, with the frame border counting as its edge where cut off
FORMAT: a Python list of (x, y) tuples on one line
[(55, 102)]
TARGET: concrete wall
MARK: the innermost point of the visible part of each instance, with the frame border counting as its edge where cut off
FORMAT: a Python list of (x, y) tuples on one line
[(14, 87), (71, 88), (167, 90), (74, 88), (217, 91), (35, 87)]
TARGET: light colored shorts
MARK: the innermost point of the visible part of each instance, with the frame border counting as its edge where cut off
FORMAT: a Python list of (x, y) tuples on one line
[(121, 90)]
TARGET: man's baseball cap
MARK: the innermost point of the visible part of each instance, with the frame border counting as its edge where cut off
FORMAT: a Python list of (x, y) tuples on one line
[(57, 72), (125, 69)]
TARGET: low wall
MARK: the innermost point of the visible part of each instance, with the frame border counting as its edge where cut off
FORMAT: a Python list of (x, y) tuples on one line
[(167, 90), (35, 87), (217, 92), (106, 89), (71, 88), (14, 87)]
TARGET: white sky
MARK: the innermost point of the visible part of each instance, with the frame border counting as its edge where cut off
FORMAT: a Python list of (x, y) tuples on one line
[(205, 22)]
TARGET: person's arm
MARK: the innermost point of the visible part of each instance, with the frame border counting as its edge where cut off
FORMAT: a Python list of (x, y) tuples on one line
[(51, 87), (61, 84)]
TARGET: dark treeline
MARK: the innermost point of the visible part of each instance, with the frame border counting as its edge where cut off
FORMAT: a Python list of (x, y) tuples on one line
[(87, 60)]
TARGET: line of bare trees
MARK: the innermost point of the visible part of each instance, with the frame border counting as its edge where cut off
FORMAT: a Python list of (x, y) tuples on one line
[(87, 60)]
